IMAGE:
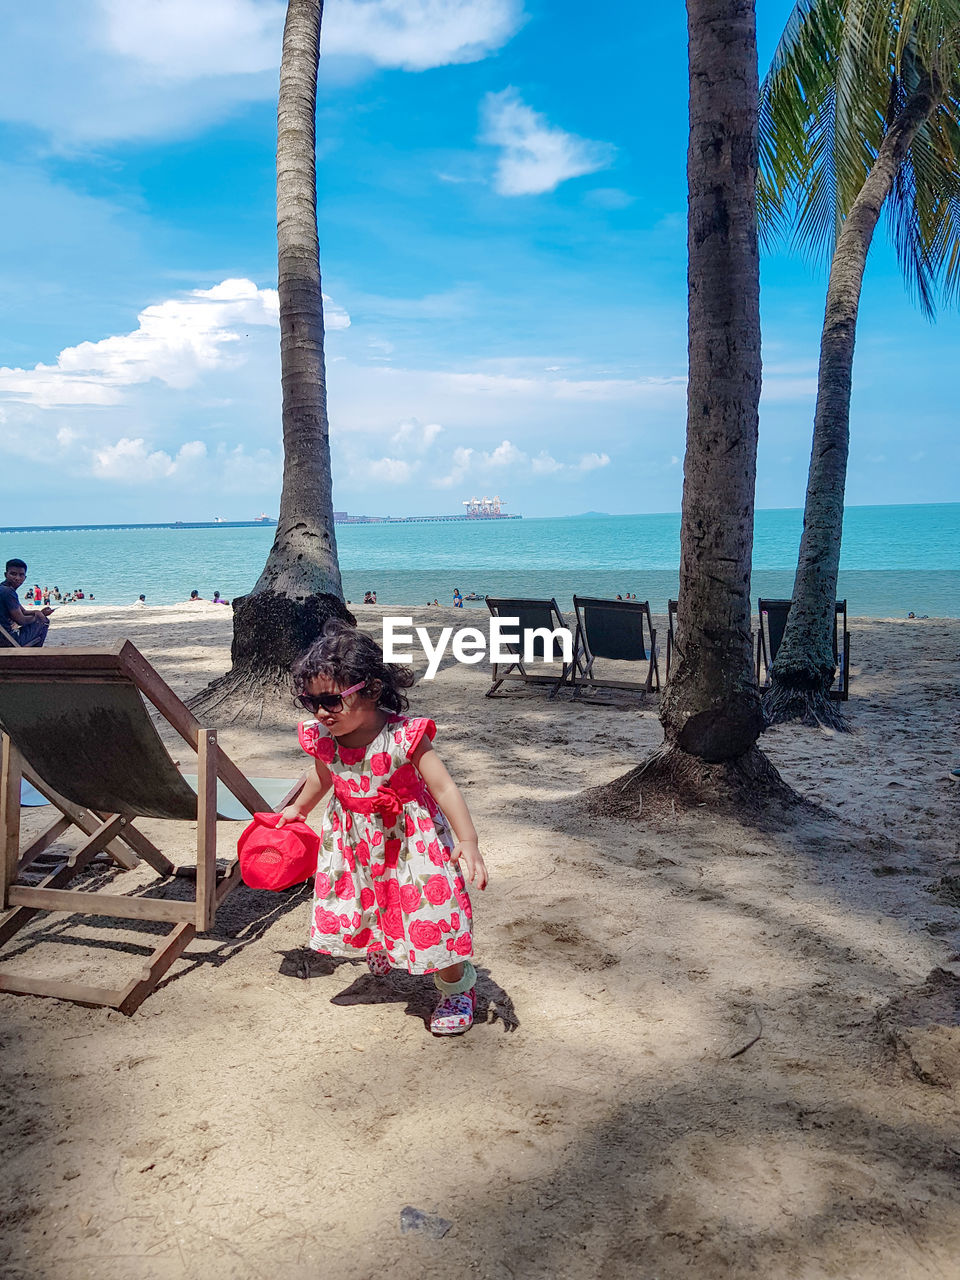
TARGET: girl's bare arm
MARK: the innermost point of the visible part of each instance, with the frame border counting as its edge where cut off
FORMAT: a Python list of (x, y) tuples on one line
[(314, 789), (447, 795)]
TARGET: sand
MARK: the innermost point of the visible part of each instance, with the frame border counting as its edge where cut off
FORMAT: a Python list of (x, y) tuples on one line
[(705, 1048)]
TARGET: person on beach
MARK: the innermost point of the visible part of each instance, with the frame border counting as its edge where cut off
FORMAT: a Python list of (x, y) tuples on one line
[(218, 598), (397, 831), (28, 627), (457, 598), (196, 596)]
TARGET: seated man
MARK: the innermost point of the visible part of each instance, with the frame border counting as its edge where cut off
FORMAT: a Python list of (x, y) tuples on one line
[(31, 624)]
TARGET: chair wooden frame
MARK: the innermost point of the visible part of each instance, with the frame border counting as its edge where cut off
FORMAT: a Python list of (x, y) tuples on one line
[(673, 607), (585, 655), (114, 833), (532, 615), (769, 639)]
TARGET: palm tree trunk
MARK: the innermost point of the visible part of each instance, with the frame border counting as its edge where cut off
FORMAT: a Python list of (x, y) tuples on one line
[(300, 585), (711, 710), (804, 668)]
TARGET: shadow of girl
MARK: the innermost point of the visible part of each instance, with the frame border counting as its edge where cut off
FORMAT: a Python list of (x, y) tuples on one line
[(493, 1003)]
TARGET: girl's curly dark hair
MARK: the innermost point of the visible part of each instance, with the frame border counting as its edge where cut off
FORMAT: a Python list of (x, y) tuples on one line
[(347, 656)]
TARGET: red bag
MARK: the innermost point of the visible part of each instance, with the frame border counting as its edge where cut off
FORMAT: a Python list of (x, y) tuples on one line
[(271, 859)]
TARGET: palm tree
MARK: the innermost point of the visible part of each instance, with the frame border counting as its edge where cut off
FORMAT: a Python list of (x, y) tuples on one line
[(300, 586), (860, 111), (711, 710)]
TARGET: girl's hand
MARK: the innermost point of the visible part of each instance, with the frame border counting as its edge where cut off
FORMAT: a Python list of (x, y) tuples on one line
[(474, 867), (290, 814)]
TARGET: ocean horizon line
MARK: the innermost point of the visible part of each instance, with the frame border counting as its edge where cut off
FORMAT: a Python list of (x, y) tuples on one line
[(271, 523)]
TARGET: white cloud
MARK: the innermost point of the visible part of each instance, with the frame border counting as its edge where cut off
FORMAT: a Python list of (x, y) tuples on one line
[(536, 156), (108, 70), (459, 466), (174, 342), (418, 34), (505, 455), (133, 462), (591, 461), (183, 40), (388, 470), (413, 435), (545, 465)]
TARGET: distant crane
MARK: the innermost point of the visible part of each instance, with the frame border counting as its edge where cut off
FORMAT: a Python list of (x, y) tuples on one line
[(480, 508)]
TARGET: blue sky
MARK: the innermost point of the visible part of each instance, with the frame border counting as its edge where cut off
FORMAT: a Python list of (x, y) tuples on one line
[(502, 228)]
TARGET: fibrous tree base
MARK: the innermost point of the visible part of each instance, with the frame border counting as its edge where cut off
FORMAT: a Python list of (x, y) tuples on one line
[(813, 706), (672, 780), (270, 632)]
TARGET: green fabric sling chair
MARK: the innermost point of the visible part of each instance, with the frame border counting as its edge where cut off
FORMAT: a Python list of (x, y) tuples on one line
[(76, 726)]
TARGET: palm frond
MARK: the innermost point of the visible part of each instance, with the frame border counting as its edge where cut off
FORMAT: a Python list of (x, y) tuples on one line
[(842, 74)]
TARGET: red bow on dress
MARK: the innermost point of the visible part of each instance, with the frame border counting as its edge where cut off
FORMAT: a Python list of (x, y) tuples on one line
[(388, 799)]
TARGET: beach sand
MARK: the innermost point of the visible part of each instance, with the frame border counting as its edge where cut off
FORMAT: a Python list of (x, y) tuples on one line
[(268, 1113)]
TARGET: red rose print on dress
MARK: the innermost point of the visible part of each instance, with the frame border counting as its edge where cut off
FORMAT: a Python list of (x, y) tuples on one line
[(348, 858), (344, 888), (377, 869), (391, 922), (443, 926), (423, 934), (377, 839), (425, 824), (409, 825), (345, 920), (463, 902), (454, 919), (334, 822), (363, 853), (364, 784), (436, 890), (435, 853), (391, 852), (463, 945), (367, 898), (421, 847), (325, 749), (355, 920), (361, 939), (321, 885), (326, 921), (380, 764), (410, 897)]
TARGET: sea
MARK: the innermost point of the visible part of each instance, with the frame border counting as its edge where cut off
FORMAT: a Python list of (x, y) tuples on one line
[(895, 559)]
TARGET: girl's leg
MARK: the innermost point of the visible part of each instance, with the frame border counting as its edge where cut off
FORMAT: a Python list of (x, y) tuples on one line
[(454, 1013), (378, 962)]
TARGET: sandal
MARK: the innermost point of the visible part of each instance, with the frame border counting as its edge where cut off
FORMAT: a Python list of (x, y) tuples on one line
[(454, 1014), (378, 962)]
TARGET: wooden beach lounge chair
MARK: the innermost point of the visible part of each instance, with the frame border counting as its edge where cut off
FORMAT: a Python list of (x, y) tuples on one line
[(75, 725), (773, 623), (619, 630), (533, 615), (8, 640), (672, 607)]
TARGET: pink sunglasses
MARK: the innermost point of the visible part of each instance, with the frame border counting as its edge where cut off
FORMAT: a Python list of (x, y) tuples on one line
[(328, 701)]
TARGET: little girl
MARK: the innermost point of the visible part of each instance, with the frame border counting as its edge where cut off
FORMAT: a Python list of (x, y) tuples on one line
[(388, 881)]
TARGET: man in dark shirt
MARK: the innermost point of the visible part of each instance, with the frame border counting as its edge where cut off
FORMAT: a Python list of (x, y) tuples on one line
[(31, 624)]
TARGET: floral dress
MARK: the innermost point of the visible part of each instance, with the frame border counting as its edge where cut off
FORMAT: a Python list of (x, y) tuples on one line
[(385, 880)]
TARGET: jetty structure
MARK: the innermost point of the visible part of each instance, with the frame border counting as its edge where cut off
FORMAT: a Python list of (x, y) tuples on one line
[(476, 509), (216, 523)]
